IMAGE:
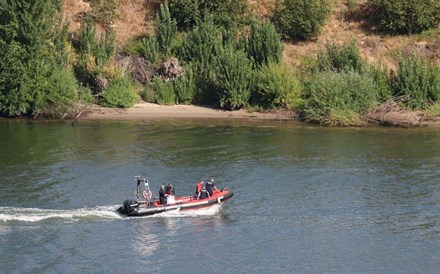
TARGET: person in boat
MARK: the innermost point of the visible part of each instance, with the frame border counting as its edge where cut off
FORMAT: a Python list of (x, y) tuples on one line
[(162, 196), (203, 194), (199, 187), (170, 189), (210, 186)]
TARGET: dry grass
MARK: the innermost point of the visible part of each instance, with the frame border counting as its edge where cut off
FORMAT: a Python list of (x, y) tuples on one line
[(136, 18)]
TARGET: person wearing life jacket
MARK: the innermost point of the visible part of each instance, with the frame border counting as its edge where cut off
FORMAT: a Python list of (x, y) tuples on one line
[(203, 194), (170, 189), (210, 186), (199, 187), (162, 195)]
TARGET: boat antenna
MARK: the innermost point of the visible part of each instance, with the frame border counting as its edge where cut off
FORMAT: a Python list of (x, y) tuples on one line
[(138, 181)]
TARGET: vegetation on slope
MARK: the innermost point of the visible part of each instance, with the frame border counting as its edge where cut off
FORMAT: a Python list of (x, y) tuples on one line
[(221, 53)]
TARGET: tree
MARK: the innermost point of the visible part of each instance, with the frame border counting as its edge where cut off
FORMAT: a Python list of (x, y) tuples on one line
[(301, 19), (29, 31), (406, 16)]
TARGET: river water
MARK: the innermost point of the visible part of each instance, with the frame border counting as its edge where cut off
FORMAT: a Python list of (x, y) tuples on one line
[(307, 199)]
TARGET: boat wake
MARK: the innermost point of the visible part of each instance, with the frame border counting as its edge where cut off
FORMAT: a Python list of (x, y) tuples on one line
[(20, 214)]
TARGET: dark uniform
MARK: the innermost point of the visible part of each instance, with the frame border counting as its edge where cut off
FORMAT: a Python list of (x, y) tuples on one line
[(162, 198), (203, 194), (209, 187)]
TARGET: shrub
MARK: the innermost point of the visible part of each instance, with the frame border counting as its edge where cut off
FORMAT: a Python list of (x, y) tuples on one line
[(380, 75), (234, 72), (150, 49), (185, 86), (185, 12), (416, 82), (277, 86), (340, 58), (227, 13), (147, 94), (163, 92), (301, 19), (104, 11), (120, 93), (32, 49), (264, 44), (337, 99), (406, 16), (166, 29), (200, 47)]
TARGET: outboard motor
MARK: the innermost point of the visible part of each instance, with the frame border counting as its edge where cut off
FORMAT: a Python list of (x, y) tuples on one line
[(128, 206)]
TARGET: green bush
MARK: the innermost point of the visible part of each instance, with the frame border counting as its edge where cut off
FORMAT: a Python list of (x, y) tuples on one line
[(104, 11), (166, 29), (264, 44), (340, 58), (163, 92), (234, 78), (150, 49), (417, 82), (185, 12), (406, 16), (277, 86), (338, 99), (120, 93), (380, 75), (32, 49), (200, 47), (301, 19), (185, 86), (228, 13)]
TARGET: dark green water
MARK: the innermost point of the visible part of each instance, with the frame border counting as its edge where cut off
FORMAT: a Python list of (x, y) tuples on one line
[(307, 199)]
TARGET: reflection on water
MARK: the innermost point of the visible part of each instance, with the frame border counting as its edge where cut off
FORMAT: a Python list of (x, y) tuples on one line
[(307, 199)]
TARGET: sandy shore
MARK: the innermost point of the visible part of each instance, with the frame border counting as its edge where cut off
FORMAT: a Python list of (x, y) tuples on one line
[(144, 111)]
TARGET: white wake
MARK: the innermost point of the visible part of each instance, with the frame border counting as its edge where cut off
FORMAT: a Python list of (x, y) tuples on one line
[(37, 214)]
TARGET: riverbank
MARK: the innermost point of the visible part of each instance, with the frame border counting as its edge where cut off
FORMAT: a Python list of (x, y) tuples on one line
[(144, 111)]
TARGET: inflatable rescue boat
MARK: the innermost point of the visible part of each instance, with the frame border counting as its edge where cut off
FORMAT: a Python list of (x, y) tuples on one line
[(144, 204)]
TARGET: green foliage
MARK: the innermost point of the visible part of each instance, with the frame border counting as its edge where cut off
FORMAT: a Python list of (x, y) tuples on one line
[(104, 11), (379, 74), (340, 58), (202, 44), (200, 47), (227, 13), (120, 93), (433, 110), (166, 29), (277, 86), (416, 81), (301, 19), (406, 16), (88, 45), (61, 93), (164, 92), (150, 49), (94, 54), (186, 13), (264, 44), (185, 86), (337, 99), (30, 35), (234, 72), (147, 94)]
